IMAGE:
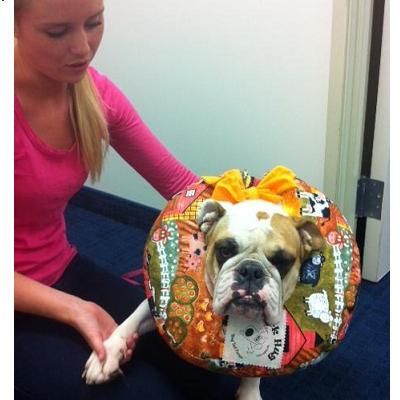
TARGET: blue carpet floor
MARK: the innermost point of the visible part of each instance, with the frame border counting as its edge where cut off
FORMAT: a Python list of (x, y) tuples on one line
[(112, 232)]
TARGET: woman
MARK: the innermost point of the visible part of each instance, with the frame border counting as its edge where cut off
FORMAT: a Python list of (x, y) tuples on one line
[(66, 114)]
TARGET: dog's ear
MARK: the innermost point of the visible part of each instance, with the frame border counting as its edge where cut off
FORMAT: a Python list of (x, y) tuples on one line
[(210, 212), (310, 236)]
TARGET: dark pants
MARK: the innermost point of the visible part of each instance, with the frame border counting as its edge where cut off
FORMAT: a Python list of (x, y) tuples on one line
[(49, 356)]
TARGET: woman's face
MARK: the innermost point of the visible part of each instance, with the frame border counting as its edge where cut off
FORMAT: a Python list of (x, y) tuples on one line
[(57, 39)]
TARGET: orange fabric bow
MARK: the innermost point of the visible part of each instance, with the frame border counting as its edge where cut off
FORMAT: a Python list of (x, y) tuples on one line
[(232, 186)]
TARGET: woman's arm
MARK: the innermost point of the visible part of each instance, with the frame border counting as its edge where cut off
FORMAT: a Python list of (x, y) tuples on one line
[(93, 322), (36, 298)]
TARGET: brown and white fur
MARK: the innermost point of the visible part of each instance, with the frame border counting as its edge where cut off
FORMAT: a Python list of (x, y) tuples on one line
[(254, 253)]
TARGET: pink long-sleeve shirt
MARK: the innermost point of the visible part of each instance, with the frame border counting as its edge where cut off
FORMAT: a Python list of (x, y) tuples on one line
[(46, 178)]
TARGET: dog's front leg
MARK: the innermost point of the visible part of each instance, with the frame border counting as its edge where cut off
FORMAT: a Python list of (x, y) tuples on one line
[(96, 371), (249, 389)]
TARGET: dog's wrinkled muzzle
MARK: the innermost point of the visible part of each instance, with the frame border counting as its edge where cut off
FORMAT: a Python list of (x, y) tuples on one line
[(249, 280), (249, 290), (249, 277)]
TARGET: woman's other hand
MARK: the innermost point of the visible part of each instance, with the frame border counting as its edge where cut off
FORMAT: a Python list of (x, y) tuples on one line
[(94, 324)]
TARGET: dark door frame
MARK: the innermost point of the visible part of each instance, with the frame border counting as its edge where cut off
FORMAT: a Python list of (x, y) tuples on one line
[(370, 113)]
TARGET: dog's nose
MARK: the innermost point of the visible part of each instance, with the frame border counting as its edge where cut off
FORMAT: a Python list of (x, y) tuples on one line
[(252, 273)]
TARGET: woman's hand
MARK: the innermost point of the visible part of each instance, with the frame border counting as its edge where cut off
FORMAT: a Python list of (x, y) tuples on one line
[(96, 325), (92, 321)]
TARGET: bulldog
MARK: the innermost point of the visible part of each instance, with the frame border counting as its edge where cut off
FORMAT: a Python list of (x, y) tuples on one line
[(252, 263)]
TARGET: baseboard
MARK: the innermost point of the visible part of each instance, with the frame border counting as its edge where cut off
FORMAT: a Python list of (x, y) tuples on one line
[(115, 207)]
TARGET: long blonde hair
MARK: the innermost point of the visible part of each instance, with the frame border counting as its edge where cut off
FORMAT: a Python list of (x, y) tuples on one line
[(88, 119), (90, 125)]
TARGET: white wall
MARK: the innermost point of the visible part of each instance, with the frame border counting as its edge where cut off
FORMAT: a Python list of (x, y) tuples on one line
[(223, 84)]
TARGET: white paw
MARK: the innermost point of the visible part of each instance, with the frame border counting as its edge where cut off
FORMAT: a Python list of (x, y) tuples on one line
[(97, 371)]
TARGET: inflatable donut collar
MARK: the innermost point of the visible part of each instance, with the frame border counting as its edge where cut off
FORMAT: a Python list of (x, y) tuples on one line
[(316, 316)]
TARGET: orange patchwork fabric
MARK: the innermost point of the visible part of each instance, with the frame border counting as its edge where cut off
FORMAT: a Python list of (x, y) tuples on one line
[(317, 315)]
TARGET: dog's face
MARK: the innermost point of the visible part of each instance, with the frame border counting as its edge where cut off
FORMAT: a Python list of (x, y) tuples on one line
[(254, 253)]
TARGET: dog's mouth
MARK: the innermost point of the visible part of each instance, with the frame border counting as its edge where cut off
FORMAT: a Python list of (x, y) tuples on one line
[(250, 306)]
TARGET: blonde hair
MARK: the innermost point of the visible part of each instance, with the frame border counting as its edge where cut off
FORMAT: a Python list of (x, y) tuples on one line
[(90, 125), (88, 119)]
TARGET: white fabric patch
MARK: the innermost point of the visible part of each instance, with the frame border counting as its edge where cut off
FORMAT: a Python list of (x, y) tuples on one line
[(254, 343)]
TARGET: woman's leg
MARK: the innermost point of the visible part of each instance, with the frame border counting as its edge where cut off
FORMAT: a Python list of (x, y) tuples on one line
[(49, 356)]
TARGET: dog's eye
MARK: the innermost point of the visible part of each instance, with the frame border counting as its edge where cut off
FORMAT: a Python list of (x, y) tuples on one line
[(282, 260), (225, 249), (224, 253)]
